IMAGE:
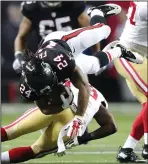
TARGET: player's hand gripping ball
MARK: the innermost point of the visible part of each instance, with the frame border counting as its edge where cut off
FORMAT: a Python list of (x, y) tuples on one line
[(59, 99)]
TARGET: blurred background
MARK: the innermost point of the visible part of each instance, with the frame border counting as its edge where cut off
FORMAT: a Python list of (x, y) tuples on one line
[(109, 82)]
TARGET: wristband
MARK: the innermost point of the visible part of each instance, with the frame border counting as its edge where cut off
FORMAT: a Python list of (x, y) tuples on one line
[(18, 53)]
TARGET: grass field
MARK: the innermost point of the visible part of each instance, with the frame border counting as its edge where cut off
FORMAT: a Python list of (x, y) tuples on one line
[(100, 151)]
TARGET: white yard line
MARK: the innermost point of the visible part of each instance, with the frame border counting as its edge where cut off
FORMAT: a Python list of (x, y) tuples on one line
[(110, 147), (74, 162), (84, 152)]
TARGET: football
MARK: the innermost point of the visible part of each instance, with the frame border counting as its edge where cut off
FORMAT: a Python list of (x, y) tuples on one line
[(54, 98), (52, 104)]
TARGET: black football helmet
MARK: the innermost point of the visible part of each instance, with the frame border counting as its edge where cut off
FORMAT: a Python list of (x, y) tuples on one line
[(39, 76)]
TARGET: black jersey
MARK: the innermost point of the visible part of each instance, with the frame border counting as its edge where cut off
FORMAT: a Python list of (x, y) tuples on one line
[(48, 19), (56, 53)]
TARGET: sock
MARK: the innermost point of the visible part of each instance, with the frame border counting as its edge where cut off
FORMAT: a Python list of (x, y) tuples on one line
[(138, 128), (97, 16), (3, 135), (96, 12), (146, 138), (114, 53), (145, 122), (136, 132), (130, 142), (108, 56), (21, 154), (5, 157)]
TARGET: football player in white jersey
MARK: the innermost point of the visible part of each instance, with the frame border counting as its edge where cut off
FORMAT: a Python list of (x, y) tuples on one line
[(134, 37)]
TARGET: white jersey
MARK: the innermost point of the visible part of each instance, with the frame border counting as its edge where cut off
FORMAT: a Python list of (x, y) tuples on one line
[(135, 31), (94, 103)]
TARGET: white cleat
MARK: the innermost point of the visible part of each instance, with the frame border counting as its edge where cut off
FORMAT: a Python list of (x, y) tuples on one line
[(126, 53), (108, 9), (130, 56)]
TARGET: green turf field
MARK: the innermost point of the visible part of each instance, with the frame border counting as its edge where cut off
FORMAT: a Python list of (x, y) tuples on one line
[(100, 151)]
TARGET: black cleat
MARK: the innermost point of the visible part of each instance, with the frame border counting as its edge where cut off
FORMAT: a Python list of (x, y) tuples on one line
[(108, 9), (130, 56), (127, 155), (145, 152)]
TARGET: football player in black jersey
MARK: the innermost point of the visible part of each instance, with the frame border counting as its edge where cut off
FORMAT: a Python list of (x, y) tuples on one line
[(54, 61), (45, 17)]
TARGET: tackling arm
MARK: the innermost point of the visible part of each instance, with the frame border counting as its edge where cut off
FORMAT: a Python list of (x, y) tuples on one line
[(106, 123), (20, 43), (24, 30), (80, 81)]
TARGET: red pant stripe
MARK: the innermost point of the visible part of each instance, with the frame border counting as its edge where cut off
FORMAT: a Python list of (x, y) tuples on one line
[(76, 33), (134, 75), (21, 118)]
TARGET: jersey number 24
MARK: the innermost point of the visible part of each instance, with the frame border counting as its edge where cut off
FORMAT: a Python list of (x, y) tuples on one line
[(60, 62)]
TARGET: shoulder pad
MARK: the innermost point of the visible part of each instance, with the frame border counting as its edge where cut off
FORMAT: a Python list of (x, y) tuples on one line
[(28, 5)]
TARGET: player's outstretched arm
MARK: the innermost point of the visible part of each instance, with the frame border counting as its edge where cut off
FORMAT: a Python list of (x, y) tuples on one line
[(107, 127), (80, 81), (20, 42), (24, 30), (107, 124)]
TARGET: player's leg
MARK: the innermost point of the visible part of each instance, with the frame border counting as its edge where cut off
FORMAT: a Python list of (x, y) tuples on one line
[(136, 76), (88, 64), (81, 39), (30, 121), (46, 144), (145, 123)]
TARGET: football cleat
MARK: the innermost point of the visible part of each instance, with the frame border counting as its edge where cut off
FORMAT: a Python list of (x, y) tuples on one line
[(127, 155), (107, 9), (130, 56), (145, 152)]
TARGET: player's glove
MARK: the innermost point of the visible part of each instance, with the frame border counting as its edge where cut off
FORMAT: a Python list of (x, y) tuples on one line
[(76, 127), (67, 100), (18, 62)]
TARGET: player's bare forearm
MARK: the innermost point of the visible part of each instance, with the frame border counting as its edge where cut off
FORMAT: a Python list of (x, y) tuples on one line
[(19, 44), (107, 123), (80, 81), (24, 30)]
